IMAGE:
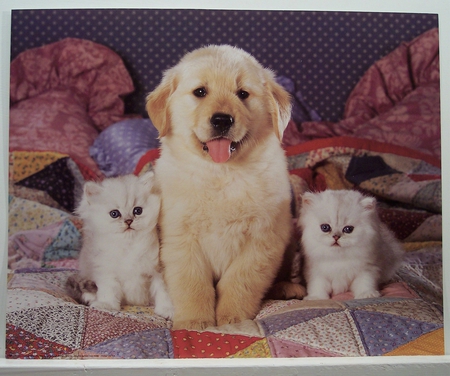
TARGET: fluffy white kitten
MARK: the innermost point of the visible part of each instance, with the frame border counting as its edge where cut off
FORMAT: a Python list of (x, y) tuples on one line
[(346, 246), (120, 251)]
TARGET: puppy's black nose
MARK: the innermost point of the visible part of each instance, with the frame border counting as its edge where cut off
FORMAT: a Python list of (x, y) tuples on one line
[(222, 122)]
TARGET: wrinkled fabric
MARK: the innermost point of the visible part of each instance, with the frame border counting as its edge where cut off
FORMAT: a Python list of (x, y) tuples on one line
[(396, 101), (63, 94)]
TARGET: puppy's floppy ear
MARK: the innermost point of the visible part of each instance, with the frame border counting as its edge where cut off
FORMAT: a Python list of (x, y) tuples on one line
[(280, 104), (158, 103)]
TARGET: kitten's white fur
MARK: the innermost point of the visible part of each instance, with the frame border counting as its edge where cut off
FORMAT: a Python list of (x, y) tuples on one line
[(122, 259), (356, 261)]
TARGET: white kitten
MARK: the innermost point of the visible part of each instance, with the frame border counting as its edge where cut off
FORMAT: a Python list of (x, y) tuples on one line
[(346, 246), (120, 251)]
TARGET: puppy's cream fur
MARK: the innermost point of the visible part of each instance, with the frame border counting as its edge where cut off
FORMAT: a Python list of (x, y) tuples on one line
[(224, 226)]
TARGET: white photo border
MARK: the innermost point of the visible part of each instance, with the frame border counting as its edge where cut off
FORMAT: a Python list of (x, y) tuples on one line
[(398, 366)]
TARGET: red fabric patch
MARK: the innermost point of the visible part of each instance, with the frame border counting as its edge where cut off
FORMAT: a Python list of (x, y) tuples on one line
[(424, 177), (149, 156), (21, 344), (316, 182), (192, 344), (361, 143)]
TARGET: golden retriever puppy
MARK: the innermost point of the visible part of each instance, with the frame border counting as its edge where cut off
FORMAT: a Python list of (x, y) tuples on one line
[(225, 218)]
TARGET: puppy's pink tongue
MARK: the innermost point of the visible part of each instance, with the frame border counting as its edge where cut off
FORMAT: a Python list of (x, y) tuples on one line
[(219, 149)]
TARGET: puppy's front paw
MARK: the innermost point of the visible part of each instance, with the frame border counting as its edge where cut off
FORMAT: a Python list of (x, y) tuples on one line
[(286, 290), (192, 324), (223, 320), (165, 310), (226, 315)]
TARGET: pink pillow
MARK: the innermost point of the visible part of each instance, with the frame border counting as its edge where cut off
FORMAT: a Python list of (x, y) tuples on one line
[(414, 122), (54, 121), (63, 94), (396, 101), (94, 72)]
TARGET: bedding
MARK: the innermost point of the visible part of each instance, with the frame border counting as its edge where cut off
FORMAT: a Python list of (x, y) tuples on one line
[(396, 101), (45, 182), (63, 94), (44, 240)]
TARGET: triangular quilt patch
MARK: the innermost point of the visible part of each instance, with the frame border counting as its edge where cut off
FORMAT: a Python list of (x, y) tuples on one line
[(57, 180), (273, 324), (148, 344), (282, 348), (193, 344), (66, 244), (320, 333), (102, 326), (382, 333), (27, 163), (62, 325), (21, 344)]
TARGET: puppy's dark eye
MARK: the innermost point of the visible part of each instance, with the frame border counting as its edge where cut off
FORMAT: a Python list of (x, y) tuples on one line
[(115, 214), (242, 94), (325, 227), (348, 229), (200, 92), (137, 210)]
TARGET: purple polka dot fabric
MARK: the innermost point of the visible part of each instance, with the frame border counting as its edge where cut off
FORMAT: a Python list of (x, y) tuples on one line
[(324, 53), (119, 147)]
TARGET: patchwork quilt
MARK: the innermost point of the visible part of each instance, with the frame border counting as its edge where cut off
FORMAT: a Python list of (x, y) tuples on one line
[(44, 322)]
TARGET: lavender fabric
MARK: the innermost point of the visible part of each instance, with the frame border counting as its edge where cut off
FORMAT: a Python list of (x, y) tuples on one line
[(119, 147)]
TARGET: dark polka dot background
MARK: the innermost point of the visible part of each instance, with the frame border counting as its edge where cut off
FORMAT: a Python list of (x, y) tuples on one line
[(324, 53)]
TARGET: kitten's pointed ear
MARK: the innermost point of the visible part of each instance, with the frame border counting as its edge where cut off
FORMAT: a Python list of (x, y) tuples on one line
[(92, 189), (148, 179), (369, 203), (158, 103), (307, 198)]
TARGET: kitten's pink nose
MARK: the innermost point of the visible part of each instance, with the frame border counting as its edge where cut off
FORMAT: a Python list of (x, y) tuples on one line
[(129, 221), (336, 237)]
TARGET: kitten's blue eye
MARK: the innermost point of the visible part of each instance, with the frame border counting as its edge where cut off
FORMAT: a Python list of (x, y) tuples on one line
[(325, 227), (137, 210), (115, 214), (348, 229)]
